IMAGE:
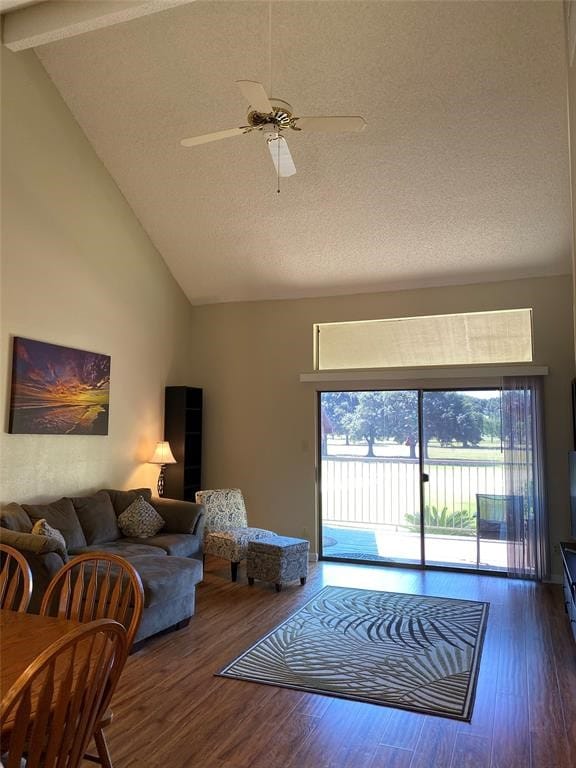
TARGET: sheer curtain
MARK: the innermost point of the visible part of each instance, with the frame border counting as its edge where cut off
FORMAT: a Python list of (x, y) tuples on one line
[(527, 517)]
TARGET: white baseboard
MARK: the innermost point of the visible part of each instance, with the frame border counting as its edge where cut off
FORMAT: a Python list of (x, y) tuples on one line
[(313, 557)]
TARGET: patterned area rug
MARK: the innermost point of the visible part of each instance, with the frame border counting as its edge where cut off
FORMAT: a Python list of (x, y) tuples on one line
[(407, 651)]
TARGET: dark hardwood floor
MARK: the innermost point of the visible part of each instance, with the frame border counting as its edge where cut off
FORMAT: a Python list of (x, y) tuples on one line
[(171, 711)]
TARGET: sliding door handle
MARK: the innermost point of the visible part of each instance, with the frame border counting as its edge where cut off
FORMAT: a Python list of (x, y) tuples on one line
[(425, 477)]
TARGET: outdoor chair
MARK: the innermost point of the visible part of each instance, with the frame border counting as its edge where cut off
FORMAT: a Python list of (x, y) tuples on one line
[(227, 533), (497, 515), (49, 714), (96, 586), (15, 580)]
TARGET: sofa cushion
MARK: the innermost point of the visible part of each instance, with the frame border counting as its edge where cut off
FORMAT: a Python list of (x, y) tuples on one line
[(180, 516), (122, 499), (61, 515), (175, 544), (42, 528), (167, 578), (97, 517), (14, 517), (140, 520), (127, 548)]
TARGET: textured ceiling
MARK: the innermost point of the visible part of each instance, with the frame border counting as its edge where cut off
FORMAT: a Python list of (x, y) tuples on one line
[(460, 176)]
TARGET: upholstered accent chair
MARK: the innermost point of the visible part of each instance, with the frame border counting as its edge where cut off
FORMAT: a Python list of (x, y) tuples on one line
[(227, 533)]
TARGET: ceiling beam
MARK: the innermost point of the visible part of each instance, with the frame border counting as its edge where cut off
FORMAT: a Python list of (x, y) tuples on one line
[(54, 20), (11, 5)]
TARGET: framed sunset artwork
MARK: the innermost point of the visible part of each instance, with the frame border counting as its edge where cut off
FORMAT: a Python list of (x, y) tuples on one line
[(58, 390)]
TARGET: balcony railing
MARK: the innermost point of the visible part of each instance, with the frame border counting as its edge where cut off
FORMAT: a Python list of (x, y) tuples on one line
[(386, 491)]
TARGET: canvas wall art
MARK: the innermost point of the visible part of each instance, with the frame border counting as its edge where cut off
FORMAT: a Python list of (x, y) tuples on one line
[(58, 390)]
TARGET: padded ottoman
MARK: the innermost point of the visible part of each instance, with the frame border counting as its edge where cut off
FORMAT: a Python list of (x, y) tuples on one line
[(278, 559)]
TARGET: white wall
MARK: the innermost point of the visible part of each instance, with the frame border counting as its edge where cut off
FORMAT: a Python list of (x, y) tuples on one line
[(259, 419), (78, 270)]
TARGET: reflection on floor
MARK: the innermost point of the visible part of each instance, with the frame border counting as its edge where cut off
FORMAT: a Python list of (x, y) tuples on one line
[(384, 543)]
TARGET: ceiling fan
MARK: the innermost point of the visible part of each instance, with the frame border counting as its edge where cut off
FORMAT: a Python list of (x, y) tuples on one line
[(272, 116)]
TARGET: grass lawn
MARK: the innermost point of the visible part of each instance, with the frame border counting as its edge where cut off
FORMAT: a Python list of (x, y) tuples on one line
[(487, 450)]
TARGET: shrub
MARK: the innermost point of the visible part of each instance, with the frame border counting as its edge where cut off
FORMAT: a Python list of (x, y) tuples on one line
[(455, 523)]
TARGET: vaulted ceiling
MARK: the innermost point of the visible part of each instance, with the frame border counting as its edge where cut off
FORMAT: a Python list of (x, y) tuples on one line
[(461, 174)]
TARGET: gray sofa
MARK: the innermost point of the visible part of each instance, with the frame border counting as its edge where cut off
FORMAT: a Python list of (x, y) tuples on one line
[(169, 564)]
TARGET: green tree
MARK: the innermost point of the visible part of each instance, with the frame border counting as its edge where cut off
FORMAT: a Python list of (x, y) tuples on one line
[(447, 417), (367, 420), (452, 416), (469, 423), (371, 416), (336, 406), (491, 410), (401, 418)]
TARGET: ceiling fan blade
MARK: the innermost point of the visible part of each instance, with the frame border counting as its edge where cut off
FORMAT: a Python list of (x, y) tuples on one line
[(255, 95), (194, 140), (331, 124), (281, 156)]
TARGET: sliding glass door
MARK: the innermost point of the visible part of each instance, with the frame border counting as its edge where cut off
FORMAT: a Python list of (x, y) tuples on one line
[(464, 492), (412, 477), (370, 476)]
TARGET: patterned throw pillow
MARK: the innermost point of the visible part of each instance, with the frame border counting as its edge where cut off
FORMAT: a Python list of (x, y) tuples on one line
[(140, 520), (43, 528)]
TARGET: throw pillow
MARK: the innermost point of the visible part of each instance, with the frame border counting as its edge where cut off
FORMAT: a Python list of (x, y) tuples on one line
[(140, 520), (42, 528)]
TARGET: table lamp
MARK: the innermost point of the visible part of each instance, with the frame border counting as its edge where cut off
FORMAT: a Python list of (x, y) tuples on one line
[(162, 455)]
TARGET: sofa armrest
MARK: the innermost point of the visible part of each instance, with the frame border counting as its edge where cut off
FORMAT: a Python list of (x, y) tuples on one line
[(180, 516), (44, 556), (31, 543)]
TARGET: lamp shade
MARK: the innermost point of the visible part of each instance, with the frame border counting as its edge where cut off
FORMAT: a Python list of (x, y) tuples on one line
[(162, 454)]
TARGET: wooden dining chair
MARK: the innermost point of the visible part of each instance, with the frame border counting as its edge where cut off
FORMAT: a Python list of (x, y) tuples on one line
[(15, 580), (49, 714), (92, 586)]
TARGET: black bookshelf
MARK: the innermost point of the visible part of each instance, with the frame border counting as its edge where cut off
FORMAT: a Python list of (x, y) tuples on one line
[(569, 567), (183, 430)]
